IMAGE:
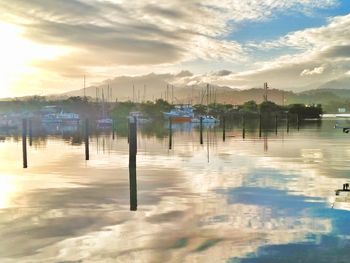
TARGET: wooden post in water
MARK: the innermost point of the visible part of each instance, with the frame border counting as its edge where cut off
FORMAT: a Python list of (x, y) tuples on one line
[(201, 130), (223, 128), (288, 122), (170, 133), (128, 130), (243, 124), (132, 142), (133, 188), (30, 133), (113, 129), (276, 124), (24, 142), (259, 125), (298, 122), (87, 153)]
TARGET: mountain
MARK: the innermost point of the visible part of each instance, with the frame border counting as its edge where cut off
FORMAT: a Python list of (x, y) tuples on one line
[(184, 87)]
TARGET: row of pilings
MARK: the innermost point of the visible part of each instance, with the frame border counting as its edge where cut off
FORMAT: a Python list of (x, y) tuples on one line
[(132, 140), (132, 127)]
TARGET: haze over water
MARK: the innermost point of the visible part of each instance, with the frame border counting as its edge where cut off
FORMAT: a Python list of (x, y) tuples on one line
[(263, 199)]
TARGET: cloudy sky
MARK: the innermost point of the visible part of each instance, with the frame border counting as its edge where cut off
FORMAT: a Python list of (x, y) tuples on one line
[(47, 46)]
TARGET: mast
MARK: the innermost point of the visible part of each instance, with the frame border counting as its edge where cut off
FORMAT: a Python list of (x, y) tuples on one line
[(133, 93), (172, 94), (84, 89), (207, 95)]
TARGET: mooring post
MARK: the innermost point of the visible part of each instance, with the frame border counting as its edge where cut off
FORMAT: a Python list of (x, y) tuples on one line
[(223, 128), (87, 153), (133, 188), (201, 130), (170, 133), (243, 124), (287, 121), (276, 124), (113, 129), (298, 122), (132, 142), (24, 142), (128, 130), (30, 133), (260, 125)]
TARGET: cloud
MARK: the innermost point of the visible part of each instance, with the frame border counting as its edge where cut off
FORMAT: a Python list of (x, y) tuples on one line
[(317, 71), (105, 37)]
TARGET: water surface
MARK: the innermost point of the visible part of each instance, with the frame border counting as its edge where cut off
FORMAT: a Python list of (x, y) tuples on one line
[(265, 199)]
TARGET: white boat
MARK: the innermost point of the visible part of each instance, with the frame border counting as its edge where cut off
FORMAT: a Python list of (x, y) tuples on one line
[(104, 122), (205, 119), (181, 113), (61, 118), (140, 118), (342, 198)]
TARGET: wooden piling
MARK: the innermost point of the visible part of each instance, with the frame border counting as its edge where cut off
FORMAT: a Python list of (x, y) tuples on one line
[(276, 124), (288, 122), (24, 142), (87, 152), (298, 122), (243, 129), (260, 126), (113, 129), (30, 133), (223, 128), (170, 133), (133, 188), (132, 142), (201, 130)]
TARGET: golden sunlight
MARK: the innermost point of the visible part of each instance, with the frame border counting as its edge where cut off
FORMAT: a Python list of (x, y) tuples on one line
[(17, 54)]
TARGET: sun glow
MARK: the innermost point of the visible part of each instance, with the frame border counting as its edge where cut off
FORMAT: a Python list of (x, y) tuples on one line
[(17, 55)]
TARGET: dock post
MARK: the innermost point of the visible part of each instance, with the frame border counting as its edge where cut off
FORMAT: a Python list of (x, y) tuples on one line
[(259, 125), (113, 129), (223, 128), (132, 142), (243, 124), (298, 122), (201, 130), (30, 133), (170, 133), (87, 153), (24, 142), (288, 122), (276, 124)]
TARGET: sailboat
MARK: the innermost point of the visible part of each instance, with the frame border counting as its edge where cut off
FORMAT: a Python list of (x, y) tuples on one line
[(104, 121), (206, 118)]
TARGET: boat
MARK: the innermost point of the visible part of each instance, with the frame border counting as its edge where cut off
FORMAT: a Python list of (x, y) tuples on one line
[(205, 119), (181, 113), (61, 118), (342, 198), (7, 123), (104, 122), (140, 118)]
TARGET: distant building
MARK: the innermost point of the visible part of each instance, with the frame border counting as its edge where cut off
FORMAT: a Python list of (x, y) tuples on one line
[(341, 110)]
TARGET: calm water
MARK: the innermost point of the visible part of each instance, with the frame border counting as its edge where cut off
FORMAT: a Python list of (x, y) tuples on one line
[(263, 199)]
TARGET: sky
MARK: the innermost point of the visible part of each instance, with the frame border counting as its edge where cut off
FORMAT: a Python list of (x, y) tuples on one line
[(47, 46)]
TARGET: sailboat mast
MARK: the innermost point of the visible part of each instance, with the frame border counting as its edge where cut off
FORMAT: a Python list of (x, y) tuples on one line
[(84, 88)]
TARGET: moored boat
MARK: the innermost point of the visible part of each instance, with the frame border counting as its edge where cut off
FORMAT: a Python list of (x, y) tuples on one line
[(205, 119), (181, 113), (61, 118)]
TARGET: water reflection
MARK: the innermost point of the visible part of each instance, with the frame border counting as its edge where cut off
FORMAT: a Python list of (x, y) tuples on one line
[(133, 188), (237, 201)]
